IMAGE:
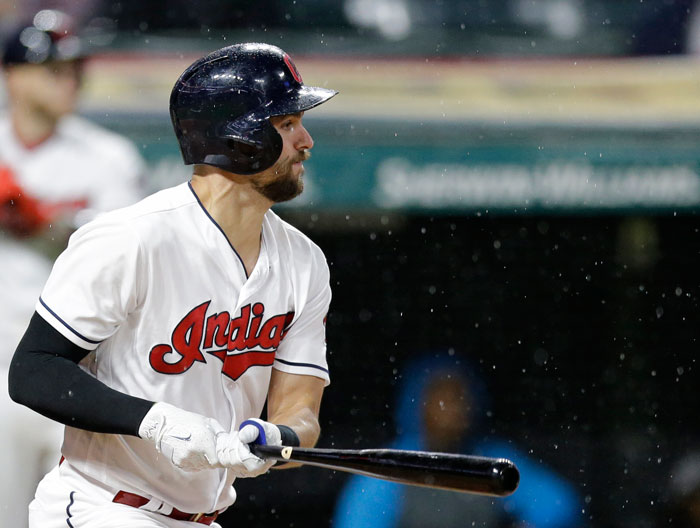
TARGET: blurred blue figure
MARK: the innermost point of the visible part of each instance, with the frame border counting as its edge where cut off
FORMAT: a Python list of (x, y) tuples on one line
[(438, 409)]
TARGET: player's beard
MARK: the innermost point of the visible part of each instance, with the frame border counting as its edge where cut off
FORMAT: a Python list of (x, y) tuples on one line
[(286, 184)]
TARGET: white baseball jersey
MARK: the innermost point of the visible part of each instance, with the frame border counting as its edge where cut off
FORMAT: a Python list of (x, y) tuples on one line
[(162, 298), (82, 169)]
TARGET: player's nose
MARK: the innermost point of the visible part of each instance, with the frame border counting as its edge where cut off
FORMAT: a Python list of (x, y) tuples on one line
[(304, 139)]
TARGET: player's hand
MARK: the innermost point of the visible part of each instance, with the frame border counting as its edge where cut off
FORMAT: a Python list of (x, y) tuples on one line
[(234, 453), (187, 439)]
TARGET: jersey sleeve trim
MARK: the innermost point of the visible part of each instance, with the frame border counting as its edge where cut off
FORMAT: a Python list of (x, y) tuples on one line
[(295, 364), (304, 369), (64, 328)]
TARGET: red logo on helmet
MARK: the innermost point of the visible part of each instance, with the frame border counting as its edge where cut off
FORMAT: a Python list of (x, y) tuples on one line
[(292, 68)]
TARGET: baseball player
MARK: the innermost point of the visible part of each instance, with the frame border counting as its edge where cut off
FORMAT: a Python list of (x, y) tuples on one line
[(56, 170), (166, 326)]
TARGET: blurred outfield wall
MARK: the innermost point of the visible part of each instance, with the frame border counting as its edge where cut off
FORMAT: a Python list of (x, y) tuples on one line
[(460, 136)]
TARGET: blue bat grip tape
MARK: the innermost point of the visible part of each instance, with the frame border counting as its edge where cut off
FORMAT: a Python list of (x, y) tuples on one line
[(261, 432)]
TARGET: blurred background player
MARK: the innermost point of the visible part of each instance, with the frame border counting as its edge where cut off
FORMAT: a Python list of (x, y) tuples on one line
[(57, 171), (440, 407)]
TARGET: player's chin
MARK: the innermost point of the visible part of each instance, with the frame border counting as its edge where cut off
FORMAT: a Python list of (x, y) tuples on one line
[(295, 177), (57, 111), (283, 190), (62, 105), (295, 187)]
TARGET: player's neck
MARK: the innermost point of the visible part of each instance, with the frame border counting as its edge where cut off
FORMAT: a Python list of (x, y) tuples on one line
[(30, 127), (237, 208)]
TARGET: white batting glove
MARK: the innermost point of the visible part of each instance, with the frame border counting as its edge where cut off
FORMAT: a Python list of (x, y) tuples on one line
[(234, 453), (187, 439)]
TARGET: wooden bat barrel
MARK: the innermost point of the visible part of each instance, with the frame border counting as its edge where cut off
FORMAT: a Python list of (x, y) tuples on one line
[(467, 473)]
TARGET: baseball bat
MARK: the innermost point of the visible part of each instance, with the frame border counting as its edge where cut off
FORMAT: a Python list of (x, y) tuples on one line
[(473, 474)]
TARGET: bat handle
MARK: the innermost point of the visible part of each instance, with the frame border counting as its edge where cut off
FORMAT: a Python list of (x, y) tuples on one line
[(282, 453)]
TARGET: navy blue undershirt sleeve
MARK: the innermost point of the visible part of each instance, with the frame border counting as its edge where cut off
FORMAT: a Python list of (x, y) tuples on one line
[(45, 376)]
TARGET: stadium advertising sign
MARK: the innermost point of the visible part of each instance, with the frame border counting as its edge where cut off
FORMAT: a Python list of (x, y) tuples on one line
[(558, 185)]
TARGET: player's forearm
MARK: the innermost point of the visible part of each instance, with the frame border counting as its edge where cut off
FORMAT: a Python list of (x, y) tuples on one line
[(63, 392), (303, 422), (44, 376), (295, 401)]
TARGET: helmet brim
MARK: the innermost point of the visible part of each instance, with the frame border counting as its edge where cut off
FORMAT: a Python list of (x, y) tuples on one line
[(304, 98)]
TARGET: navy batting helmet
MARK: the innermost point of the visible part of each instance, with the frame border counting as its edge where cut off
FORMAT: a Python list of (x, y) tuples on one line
[(48, 37), (221, 105)]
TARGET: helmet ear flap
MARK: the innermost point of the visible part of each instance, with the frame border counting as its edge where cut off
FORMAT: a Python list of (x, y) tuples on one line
[(259, 151)]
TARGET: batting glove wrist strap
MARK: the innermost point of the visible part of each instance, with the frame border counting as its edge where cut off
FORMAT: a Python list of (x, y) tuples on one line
[(289, 437)]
